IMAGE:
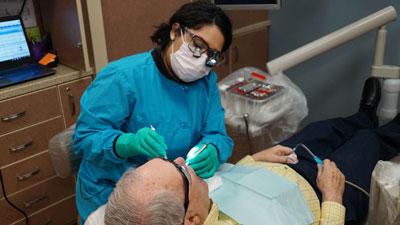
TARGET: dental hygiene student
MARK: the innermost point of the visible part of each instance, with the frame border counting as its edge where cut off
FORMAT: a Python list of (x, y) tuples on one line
[(159, 103)]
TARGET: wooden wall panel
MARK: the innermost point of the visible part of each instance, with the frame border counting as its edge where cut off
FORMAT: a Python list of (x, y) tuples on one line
[(129, 24)]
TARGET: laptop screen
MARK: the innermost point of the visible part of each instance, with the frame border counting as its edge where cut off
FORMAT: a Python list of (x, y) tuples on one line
[(13, 45)]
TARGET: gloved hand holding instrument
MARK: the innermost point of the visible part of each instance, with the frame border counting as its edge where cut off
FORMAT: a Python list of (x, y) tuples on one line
[(145, 141), (203, 159)]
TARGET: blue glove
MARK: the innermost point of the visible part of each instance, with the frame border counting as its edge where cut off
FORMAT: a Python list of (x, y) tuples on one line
[(206, 163), (146, 142)]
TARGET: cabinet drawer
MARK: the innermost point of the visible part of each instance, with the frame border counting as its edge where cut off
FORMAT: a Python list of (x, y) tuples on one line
[(27, 172), (59, 214), (43, 194), (29, 109), (29, 141), (8, 214)]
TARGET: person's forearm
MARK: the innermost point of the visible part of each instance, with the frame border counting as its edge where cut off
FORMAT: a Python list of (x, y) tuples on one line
[(332, 198), (332, 213), (256, 156)]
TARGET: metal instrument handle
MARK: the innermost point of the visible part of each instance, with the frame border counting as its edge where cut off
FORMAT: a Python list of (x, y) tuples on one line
[(71, 100), (13, 116), (35, 201), (26, 176), (18, 148)]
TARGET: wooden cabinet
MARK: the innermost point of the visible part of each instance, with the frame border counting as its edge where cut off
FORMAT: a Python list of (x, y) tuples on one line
[(128, 25), (44, 194), (29, 109), (27, 124), (125, 27), (28, 141), (54, 214), (8, 215), (249, 50), (249, 44), (65, 21), (31, 113)]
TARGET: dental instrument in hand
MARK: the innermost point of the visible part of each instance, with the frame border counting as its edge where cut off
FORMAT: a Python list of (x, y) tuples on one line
[(154, 129), (320, 162), (316, 159), (193, 152)]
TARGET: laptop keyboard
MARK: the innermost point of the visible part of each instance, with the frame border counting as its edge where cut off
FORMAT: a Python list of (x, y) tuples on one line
[(25, 71), (22, 73)]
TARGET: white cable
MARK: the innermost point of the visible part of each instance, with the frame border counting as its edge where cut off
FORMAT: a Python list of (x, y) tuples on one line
[(357, 187)]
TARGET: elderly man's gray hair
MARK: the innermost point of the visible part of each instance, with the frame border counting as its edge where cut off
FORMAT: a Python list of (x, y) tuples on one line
[(124, 208)]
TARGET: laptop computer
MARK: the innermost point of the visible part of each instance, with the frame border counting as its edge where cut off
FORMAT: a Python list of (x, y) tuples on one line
[(16, 60)]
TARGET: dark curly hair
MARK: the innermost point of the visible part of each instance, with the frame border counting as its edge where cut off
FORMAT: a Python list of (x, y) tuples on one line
[(195, 15)]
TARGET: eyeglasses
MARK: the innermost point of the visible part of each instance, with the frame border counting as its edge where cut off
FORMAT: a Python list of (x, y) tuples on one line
[(187, 180), (199, 46)]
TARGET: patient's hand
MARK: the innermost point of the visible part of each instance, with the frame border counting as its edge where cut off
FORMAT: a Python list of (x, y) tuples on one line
[(330, 181), (276, 154)]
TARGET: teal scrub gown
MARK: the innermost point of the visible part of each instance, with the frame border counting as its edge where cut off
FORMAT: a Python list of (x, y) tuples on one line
[(133, 93)]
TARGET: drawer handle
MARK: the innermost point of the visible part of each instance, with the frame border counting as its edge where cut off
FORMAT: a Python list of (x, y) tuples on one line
[(13, 116), (15, 149), (28, 175), (71, 100), (35, 201)]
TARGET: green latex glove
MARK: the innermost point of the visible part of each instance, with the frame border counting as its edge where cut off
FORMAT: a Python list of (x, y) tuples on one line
[(206, 163), (146, 141)]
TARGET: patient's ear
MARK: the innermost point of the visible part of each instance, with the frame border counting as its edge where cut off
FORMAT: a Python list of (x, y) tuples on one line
[(192, 219)]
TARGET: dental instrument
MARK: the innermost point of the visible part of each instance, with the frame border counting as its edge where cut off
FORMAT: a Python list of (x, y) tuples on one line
[(193, 152), (316, 159), (321, 163), (154, 129)]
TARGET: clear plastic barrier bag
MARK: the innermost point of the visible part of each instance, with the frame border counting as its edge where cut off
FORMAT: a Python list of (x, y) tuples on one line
[(384, 203), (275, 117), (64, 161)]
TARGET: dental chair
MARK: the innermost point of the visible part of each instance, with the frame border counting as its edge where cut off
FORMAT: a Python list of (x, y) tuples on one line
[(384, 205)]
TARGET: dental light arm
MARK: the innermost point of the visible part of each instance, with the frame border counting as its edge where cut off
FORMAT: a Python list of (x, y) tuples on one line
[(391, 87), (332, 40)]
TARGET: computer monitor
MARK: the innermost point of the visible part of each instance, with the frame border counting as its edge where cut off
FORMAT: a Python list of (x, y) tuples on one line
[(13, 43), (247, 4)]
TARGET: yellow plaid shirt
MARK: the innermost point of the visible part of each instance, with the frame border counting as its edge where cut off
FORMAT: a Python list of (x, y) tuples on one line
[(329, 213)]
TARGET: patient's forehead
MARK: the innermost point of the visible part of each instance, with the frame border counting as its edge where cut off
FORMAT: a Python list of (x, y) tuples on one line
[(158, 173)]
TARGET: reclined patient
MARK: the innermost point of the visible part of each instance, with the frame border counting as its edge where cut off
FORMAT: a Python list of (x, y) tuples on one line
[(164, 192)]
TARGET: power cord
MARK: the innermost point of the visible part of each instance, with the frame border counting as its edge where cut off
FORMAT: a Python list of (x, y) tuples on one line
[(22, 8), (246, 122), (9, 202), (357, 187)]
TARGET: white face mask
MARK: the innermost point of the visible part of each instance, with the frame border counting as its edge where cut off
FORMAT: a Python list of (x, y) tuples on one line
[(187, 67)]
